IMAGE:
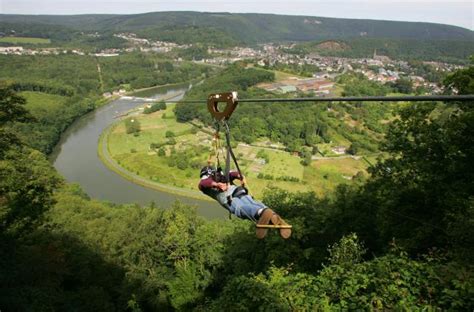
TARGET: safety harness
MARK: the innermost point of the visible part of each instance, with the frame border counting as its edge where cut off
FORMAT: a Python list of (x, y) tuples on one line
[(220, 122)]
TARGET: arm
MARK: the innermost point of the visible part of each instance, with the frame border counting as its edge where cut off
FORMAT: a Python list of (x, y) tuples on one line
[(210, 183), (235, 175), (207, 183)]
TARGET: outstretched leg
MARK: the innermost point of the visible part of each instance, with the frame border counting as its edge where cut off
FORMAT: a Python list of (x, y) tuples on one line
[(285, 231), (246, 207), (250, 201)]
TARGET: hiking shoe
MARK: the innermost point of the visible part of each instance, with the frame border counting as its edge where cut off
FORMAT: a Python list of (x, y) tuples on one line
[(277, 220), (264, 219), (284, 233)]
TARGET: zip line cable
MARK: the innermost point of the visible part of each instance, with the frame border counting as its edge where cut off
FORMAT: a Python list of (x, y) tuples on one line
[(420, 98), (224, 116)]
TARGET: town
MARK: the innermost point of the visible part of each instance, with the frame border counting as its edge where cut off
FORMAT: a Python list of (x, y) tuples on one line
[(320, 82)]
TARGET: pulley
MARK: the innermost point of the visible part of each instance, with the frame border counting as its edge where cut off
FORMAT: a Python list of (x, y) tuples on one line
[(214, 99)]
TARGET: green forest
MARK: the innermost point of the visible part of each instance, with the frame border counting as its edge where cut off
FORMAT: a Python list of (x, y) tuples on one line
[(401, 49), (248, 28), (77, 85), (299, 126), (402, 240), (401, 40)]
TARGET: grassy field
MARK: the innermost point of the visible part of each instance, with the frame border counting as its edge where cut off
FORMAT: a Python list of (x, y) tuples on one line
[(279, 75), (43, 104), (25, 40), (133, 153)]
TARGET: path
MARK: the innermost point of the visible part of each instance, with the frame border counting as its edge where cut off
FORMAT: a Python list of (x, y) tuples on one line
[(101, 81), (276, 149)]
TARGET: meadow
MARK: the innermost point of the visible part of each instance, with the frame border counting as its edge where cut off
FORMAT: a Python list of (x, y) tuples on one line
[(178, 164), (42, 105), (25, 40)]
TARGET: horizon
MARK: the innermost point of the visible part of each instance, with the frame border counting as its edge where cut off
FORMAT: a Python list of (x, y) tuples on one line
[(225, 12), (454, 13)]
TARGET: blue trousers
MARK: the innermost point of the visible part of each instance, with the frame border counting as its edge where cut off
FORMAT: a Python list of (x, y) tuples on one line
[(246, 207)]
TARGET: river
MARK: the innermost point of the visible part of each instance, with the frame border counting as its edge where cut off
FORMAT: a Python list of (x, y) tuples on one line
[(75, 157)]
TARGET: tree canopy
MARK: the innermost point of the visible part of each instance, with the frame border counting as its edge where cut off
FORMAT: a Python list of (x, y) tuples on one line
[(402, 240)]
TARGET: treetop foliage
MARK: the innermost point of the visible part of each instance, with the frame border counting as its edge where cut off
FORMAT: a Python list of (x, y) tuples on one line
[(27, 178), (401, 240), (249, 28), (12, 107), (296, 125), (444, 50), (79, 87)]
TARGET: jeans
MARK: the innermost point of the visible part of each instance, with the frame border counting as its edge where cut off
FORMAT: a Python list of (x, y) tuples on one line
[(246, 207)]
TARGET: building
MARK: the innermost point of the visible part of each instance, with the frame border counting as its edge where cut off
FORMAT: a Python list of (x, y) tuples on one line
[(339, 150), (307, 85), (321, 75), (106, 54), (4, 50), (287, 89)]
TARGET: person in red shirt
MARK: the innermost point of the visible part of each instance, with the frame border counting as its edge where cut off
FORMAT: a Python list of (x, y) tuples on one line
[(237, 199)]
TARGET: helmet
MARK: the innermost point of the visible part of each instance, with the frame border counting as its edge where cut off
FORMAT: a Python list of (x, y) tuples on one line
[(207, 170), (220, 175)]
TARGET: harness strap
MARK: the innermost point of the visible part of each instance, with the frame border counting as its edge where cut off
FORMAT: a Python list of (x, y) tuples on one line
[(229, 202), (215, 150), (230, 153), (221, 117)]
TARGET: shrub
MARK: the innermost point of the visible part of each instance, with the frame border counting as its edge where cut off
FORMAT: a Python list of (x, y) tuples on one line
[(162, 152), (132, 125), (155, 107)]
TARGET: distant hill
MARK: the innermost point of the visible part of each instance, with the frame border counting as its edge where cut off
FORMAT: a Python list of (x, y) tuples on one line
[(250, 28), (348, 37), (453, 51)]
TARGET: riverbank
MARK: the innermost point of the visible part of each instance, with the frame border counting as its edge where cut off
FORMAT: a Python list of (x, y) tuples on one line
[(76, 159), (166, 154), (104, 155), (104, 101), (133, 91)]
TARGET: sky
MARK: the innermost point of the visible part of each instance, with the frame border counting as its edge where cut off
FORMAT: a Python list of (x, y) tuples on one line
[(459, 13)]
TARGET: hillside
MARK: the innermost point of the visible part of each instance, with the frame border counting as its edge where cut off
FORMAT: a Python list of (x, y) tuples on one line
[(402, 240), (295, 125), (399, 240), (247, 28), (399, 49)]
